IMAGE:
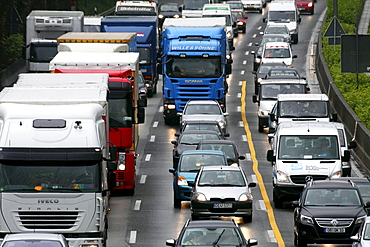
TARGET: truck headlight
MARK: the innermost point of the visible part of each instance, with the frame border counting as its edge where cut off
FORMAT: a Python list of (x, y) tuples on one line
[(281, 177), (259, 80), (176, 16), (160, 16), (306, 219), (121, 163), (169, 106), (229, 35)]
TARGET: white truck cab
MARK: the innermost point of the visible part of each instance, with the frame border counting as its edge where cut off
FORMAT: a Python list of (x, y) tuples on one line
[(305, 150), (285, 12)]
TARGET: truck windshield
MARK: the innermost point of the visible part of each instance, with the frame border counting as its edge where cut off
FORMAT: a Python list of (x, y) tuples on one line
[(194, 4), (144, 55), (282, 16), (194, 67), (41, 52), (49, 176), (289, 109), (120, 113), (270, 91), (308, 147), (227, 17)]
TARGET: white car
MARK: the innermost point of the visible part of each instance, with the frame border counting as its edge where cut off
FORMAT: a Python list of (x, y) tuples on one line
[(251, 5), (34, 240), (204, 110), (277, 52)]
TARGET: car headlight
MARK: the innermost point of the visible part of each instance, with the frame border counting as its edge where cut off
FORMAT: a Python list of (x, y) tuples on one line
[(228, 56), (336, 174), (234, 165), (360, 220), (292, 31), (257, 60), (160, 16), (281, 177), (181, 181), (200, 197), (346, 164), (222, 124), (176, 16), (245, 197), (289, 63), (259, 80), (306, 219), (229, 35), (169, 106), (310, 4), (240, 23)]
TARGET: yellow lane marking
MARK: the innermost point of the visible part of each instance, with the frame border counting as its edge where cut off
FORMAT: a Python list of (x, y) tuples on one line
[(270, 212)]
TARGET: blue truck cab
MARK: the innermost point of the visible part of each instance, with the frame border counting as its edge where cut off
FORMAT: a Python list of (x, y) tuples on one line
[(146, 28), (194, 67)]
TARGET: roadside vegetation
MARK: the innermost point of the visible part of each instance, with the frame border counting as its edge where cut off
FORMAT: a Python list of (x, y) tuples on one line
[(357, 96)]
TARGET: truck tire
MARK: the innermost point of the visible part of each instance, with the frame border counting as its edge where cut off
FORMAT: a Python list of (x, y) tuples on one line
[(277, 202)]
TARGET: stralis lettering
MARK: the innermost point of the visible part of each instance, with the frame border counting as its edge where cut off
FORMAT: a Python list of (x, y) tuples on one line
[(193, 47), (193, 81), (47, 201)]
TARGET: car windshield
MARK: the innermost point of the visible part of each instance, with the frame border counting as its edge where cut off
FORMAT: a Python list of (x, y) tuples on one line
[(277, 30), (193, 162), (272, 39), (277, 53), (228, 149), (282, 16), (332, 197), (270, 91), (364, 189), (210, 109), (221, 178), (213, 236), (32, 243), (194, 139), (309, 147), (200, 126), (264, 68), (238, 15), (168, 8), (289, 109)]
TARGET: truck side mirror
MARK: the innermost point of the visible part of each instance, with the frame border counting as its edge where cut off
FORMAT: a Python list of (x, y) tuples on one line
[(254, 98), (346, 156), (228, 69), (264, 19), (352, 144), (334, 117), (111, 180), (270, 156), (141, 115), (159, 69)]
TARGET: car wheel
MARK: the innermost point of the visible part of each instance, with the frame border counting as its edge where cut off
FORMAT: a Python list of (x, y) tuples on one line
[(277, 202), (193, 217), (247, 218), (168, 121), (299, 242), (260, 126), (176, 202), (260, 10), (243, 30), (312, 12)]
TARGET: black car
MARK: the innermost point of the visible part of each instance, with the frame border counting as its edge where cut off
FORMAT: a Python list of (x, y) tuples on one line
[(189, 140), (261, 72), (204, 125), (227, 146), (211, 233), (328, 212), (168, 10), (364, 185)]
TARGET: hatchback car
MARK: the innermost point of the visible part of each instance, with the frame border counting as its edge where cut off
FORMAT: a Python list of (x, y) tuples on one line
[(240, 20), (209, 110), (306, 6), (226, 146), (204, 125), (222, 191), (34, 240), (189, 164), (283, 73), (329, 212), (189, 140), (261, 72), (266, 38), (211, 233), (278, 29)]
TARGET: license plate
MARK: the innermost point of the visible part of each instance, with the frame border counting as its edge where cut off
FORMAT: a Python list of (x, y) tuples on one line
[(222, 205), (335, 230), (250, 7), (301, 9)]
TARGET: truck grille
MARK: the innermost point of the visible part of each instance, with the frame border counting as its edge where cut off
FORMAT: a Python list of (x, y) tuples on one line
[(48, 220), (301, 179), (331, 222)]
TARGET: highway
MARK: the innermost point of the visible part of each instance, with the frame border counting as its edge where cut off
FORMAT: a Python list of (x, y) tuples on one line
[(148, 218)]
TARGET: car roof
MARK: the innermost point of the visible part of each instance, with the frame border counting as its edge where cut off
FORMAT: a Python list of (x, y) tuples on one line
[(218, 168), (211, 223), (355, 179), (190, 152), (29, 235), (200, 122), (216, 142), (204, 102), (331, 183), (199, 132)]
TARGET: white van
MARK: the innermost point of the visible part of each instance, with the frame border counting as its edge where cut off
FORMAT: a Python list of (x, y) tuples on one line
[(285, 12), (223, 10), (302, 151), (277, 52), (298, 107)]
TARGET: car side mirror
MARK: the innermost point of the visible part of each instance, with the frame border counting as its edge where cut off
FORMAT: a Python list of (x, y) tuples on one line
[(226, 135), (294, 56), (252, 184), (174, 142), (346, 156), (241, 157), (172, 170), (270, 156), (334, 117), (295, 204), (254, 98)]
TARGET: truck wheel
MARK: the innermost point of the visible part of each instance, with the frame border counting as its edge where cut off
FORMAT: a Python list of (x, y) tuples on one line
[(277, 202), (300, 242), (247, 218)]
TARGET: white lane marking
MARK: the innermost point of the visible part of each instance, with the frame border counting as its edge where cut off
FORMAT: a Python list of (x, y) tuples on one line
[(259, 28), (244, 62), (242, 72), (137, 205), (247, 53), (147, 157), (262, 205), (152, 138), (244, 137), (254, 35), (143, 179), (238, 108), (155, 124), (271, 235), (240, 83), (239, 95), (132, 239), (241, 124), (161, 109), (248, 157)]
